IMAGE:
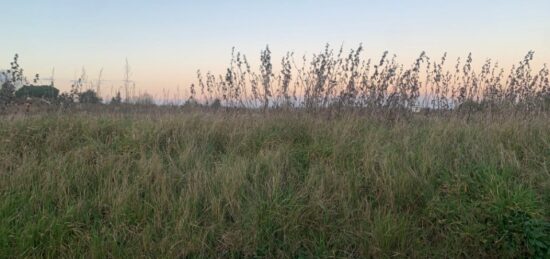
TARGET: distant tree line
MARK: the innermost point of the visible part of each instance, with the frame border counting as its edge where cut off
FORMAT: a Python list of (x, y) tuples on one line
[(16, 88)]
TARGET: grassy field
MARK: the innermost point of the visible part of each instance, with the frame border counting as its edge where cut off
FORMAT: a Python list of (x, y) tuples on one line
[(210, 184)]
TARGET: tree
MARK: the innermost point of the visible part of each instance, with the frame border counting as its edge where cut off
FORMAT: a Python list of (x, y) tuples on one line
[(89, 96), (216, 104), (12, 78), (117, 99), (7, 93), (37, 91)]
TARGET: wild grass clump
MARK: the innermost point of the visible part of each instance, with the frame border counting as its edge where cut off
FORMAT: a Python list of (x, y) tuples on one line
[(210, 184)]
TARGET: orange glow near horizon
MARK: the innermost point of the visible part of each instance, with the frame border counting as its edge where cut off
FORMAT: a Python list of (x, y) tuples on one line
[(166, 43)]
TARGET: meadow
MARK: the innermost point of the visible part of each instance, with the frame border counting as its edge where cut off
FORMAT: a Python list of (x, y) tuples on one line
[(331, 156), (203, 183)]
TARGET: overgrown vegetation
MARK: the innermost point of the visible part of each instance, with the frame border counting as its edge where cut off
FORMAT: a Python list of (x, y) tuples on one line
[(336, 157), (335, 79), (239, 184)]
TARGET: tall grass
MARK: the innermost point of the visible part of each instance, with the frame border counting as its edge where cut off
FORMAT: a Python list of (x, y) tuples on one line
[(340, 79), (277, 185)]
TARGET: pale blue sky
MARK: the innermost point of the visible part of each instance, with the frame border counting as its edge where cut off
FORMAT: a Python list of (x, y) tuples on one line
[(167, 41)]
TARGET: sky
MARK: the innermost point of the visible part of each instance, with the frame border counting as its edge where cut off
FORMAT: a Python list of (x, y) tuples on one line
[(166, 41)]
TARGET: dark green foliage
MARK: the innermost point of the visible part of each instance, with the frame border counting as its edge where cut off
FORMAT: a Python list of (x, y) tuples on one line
[(37, 91), (89, 96), (7, 93), (216, 104), (117, 99)]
